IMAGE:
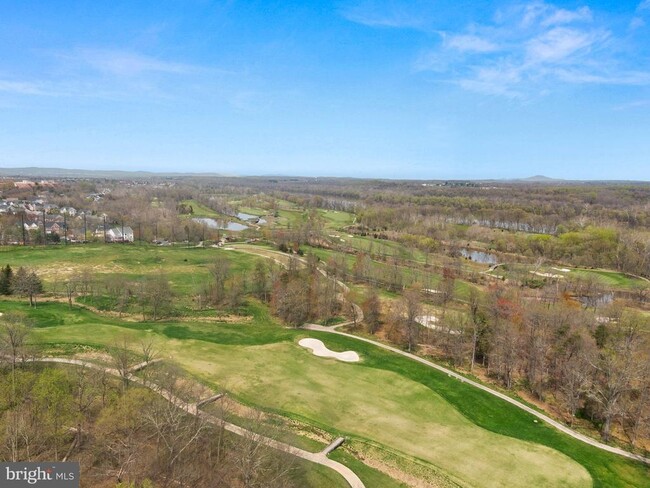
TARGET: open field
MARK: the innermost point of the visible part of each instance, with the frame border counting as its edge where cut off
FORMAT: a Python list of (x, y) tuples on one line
[(185, 267)]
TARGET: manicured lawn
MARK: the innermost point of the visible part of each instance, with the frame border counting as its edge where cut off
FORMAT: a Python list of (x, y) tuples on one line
[(335, 219), (385, 398), (613, 279), (201, 210)]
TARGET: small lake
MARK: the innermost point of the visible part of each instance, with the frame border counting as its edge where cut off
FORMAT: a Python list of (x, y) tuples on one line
[(245, 216), (215, 224), (479, 256), (596, 300)]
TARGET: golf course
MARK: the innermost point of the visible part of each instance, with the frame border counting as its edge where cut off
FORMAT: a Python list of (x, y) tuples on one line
[(382, 403)]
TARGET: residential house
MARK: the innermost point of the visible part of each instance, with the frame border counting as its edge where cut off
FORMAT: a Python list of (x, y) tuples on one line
[(120, 234)]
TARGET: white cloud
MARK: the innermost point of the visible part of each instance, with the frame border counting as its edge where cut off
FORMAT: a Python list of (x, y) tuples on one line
[(558, 44), (532, 49), (636, 23), (548, 15), (638, 78), (22, 88), (496, 80), (376, 14), (470, 43), (126, 63), (562, 16), (644, 5)]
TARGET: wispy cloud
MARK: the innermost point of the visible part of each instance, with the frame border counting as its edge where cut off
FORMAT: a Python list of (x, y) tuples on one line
[(22, 88), (470, 43), (560, 43), (547, 15), (558, 16), (392, 14), (633, 105), (110, 74), (644, 5), (530, 48), (127, 63), (636, 23)]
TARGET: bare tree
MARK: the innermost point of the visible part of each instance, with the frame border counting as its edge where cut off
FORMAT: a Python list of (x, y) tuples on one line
[(411, 308), (617, 368), (257, 465), (372, 311), (220, 271), (27, 283), (157, 295), (122, 360), (14, 331)]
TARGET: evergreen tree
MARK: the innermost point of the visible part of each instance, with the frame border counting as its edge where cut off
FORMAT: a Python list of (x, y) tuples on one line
[(6, 276)]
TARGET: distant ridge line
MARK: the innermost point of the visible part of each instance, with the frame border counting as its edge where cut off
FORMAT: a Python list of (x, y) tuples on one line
[(36, 172)]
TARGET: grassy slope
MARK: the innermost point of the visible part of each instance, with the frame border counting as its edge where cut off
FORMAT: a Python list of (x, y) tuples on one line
[(612, 279), (490, 413), (185, 267)]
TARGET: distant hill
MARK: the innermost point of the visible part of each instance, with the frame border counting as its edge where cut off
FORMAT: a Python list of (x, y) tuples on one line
[(35, 172), (540, 179)]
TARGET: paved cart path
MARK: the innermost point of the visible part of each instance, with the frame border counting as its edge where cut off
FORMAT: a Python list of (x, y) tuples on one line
[(191, 408), (539, 415)]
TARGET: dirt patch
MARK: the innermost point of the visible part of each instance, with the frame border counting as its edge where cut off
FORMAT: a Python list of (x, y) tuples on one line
[(61, 272), (409, 472), (95, 356), (227, 319)]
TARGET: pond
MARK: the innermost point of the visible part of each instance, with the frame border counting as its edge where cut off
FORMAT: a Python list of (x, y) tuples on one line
[(597, 300), (246, 216), (479, 256), (215, 224)]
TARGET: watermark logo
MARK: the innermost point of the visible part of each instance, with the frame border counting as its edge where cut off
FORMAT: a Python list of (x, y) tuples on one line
[(43, 475)]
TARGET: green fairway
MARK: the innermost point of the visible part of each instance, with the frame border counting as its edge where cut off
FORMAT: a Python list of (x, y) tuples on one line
[(360, 401), (336, 219), (612, 279)]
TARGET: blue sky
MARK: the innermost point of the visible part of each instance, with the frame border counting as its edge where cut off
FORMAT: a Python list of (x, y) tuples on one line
[(398, 89)]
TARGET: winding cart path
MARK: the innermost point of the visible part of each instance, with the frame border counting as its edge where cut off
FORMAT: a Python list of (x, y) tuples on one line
[(192, 408)]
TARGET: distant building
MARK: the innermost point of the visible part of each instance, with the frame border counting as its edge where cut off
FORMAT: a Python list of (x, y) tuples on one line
[(119, 234), (54, 228)]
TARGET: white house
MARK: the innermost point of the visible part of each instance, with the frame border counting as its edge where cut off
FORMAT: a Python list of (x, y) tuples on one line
[(115, 234)]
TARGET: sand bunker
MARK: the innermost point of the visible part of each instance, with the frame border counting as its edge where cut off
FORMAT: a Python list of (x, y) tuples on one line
[(318, 349)]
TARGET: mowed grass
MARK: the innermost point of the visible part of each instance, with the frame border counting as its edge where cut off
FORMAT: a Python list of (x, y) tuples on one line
[(335, 219), (367, 400), (428, 279), (611, 279), (186, 268), (201, 210)]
